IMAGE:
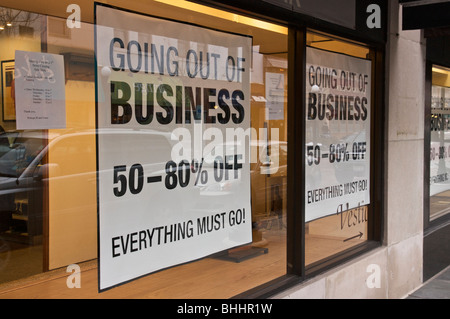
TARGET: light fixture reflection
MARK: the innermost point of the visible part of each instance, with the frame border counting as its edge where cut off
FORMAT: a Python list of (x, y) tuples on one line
[(226, 15)]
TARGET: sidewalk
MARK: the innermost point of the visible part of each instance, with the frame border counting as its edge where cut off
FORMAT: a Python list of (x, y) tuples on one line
[(438, 287), (436, 265)]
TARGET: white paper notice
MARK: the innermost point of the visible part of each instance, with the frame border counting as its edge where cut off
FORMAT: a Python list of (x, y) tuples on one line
[(39, 90), (274, 96)]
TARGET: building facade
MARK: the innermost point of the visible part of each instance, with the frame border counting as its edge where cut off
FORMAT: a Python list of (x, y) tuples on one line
[(220, 149)]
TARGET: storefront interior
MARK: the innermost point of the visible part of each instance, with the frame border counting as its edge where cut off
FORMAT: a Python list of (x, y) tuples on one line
[(50, 221)]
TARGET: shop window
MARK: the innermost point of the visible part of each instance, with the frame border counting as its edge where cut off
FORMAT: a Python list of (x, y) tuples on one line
[(103, 157), (440, 142), (338, 130), (64, 203)]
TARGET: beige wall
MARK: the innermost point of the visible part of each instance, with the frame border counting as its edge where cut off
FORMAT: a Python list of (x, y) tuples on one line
[(72, 187)]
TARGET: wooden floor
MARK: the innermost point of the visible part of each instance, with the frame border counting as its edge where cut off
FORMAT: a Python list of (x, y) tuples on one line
[(439, 204), (207, 278)]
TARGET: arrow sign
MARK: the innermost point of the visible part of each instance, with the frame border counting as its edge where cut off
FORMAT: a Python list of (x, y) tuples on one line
[(360, 235)]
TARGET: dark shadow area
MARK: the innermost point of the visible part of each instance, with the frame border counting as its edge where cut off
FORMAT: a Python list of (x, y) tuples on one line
[(436, 248)]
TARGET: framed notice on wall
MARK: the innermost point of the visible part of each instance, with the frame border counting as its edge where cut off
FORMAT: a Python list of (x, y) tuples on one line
[(338, 106), (173, 110), (8, 103)]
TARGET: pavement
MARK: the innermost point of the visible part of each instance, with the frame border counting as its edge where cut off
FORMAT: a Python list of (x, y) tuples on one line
[(437, 287), (436, 264)]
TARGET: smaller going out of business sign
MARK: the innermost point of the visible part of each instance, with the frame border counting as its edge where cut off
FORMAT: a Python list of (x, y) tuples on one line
[(338, 106), (440, 146), (173, 172)]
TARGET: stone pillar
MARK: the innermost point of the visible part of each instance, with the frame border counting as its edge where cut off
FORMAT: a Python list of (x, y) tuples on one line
[(405, 101)]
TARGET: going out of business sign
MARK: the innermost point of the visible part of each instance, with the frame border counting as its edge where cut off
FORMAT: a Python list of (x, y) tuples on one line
[(440, 146), (173, 166), (338, 106)]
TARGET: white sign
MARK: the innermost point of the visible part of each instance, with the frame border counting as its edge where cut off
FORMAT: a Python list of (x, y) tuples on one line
[(440, 135), (274, 96), (338, 106), (173, 162), (39, 90)]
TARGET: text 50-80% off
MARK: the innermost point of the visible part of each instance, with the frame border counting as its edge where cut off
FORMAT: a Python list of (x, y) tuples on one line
[(337, 153), (133, 178)]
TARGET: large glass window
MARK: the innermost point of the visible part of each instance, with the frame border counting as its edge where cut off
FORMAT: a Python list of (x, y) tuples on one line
[(48, 215), (440, 142), (123, 177)]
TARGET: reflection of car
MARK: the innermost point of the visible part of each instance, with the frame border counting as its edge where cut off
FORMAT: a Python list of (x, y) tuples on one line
[(19, 178), (71, 161)]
